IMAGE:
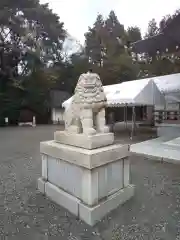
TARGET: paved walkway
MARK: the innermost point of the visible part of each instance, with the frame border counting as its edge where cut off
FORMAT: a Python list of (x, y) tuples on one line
[(165, 148), (153, 213)]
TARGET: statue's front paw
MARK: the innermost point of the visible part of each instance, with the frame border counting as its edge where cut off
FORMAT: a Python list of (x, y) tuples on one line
[(105, 129), (90, 131), (74, 129)]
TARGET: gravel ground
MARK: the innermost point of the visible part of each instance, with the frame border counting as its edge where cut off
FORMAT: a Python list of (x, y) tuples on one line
[(153, 213)]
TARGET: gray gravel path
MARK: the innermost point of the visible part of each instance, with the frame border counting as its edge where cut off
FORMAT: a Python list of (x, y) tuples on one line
[(153, 214)]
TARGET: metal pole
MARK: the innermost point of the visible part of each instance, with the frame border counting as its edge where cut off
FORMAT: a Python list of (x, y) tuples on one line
[(126, 115), (133, 122), (164, 114), (135, 127)]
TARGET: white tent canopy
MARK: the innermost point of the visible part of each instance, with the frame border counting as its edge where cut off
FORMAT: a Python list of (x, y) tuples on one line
[(67, 103), (133, 93), (173, 97), (140, 92), (167, 83)]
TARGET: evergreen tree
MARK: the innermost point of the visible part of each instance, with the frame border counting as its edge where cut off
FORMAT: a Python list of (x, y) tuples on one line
[(152, 29), (133, 34), (106, 48), (94, 41)]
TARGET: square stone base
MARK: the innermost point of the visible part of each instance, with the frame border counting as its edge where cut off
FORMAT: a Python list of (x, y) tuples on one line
[(89, 214), (84, 141), (88, 182), (87, 158)]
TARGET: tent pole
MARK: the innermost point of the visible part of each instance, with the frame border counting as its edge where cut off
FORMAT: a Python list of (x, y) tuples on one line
[(135, 125), (133, 122), (112, 121), (165, 112), (126, 115)]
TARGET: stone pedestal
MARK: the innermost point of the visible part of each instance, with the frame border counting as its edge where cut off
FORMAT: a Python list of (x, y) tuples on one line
[(89, 181)]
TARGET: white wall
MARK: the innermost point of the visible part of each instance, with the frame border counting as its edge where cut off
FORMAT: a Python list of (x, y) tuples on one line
[(57, 113)]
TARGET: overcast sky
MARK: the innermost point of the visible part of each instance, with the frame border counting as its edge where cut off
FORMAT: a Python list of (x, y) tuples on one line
[(77, 15)]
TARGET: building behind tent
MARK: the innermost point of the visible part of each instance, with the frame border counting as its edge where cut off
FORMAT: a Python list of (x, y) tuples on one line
[(57, 111)]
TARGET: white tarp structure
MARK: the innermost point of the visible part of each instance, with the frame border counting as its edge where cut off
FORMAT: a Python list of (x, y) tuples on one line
[(173, 97), (131, 93), (168, 83), (67, 103), (135, 93)]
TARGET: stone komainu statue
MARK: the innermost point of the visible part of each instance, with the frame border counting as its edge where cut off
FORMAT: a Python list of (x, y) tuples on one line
[(86, 114)]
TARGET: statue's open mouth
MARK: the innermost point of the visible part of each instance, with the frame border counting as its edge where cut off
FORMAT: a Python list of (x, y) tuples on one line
[(89, 85), (90, 89)]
